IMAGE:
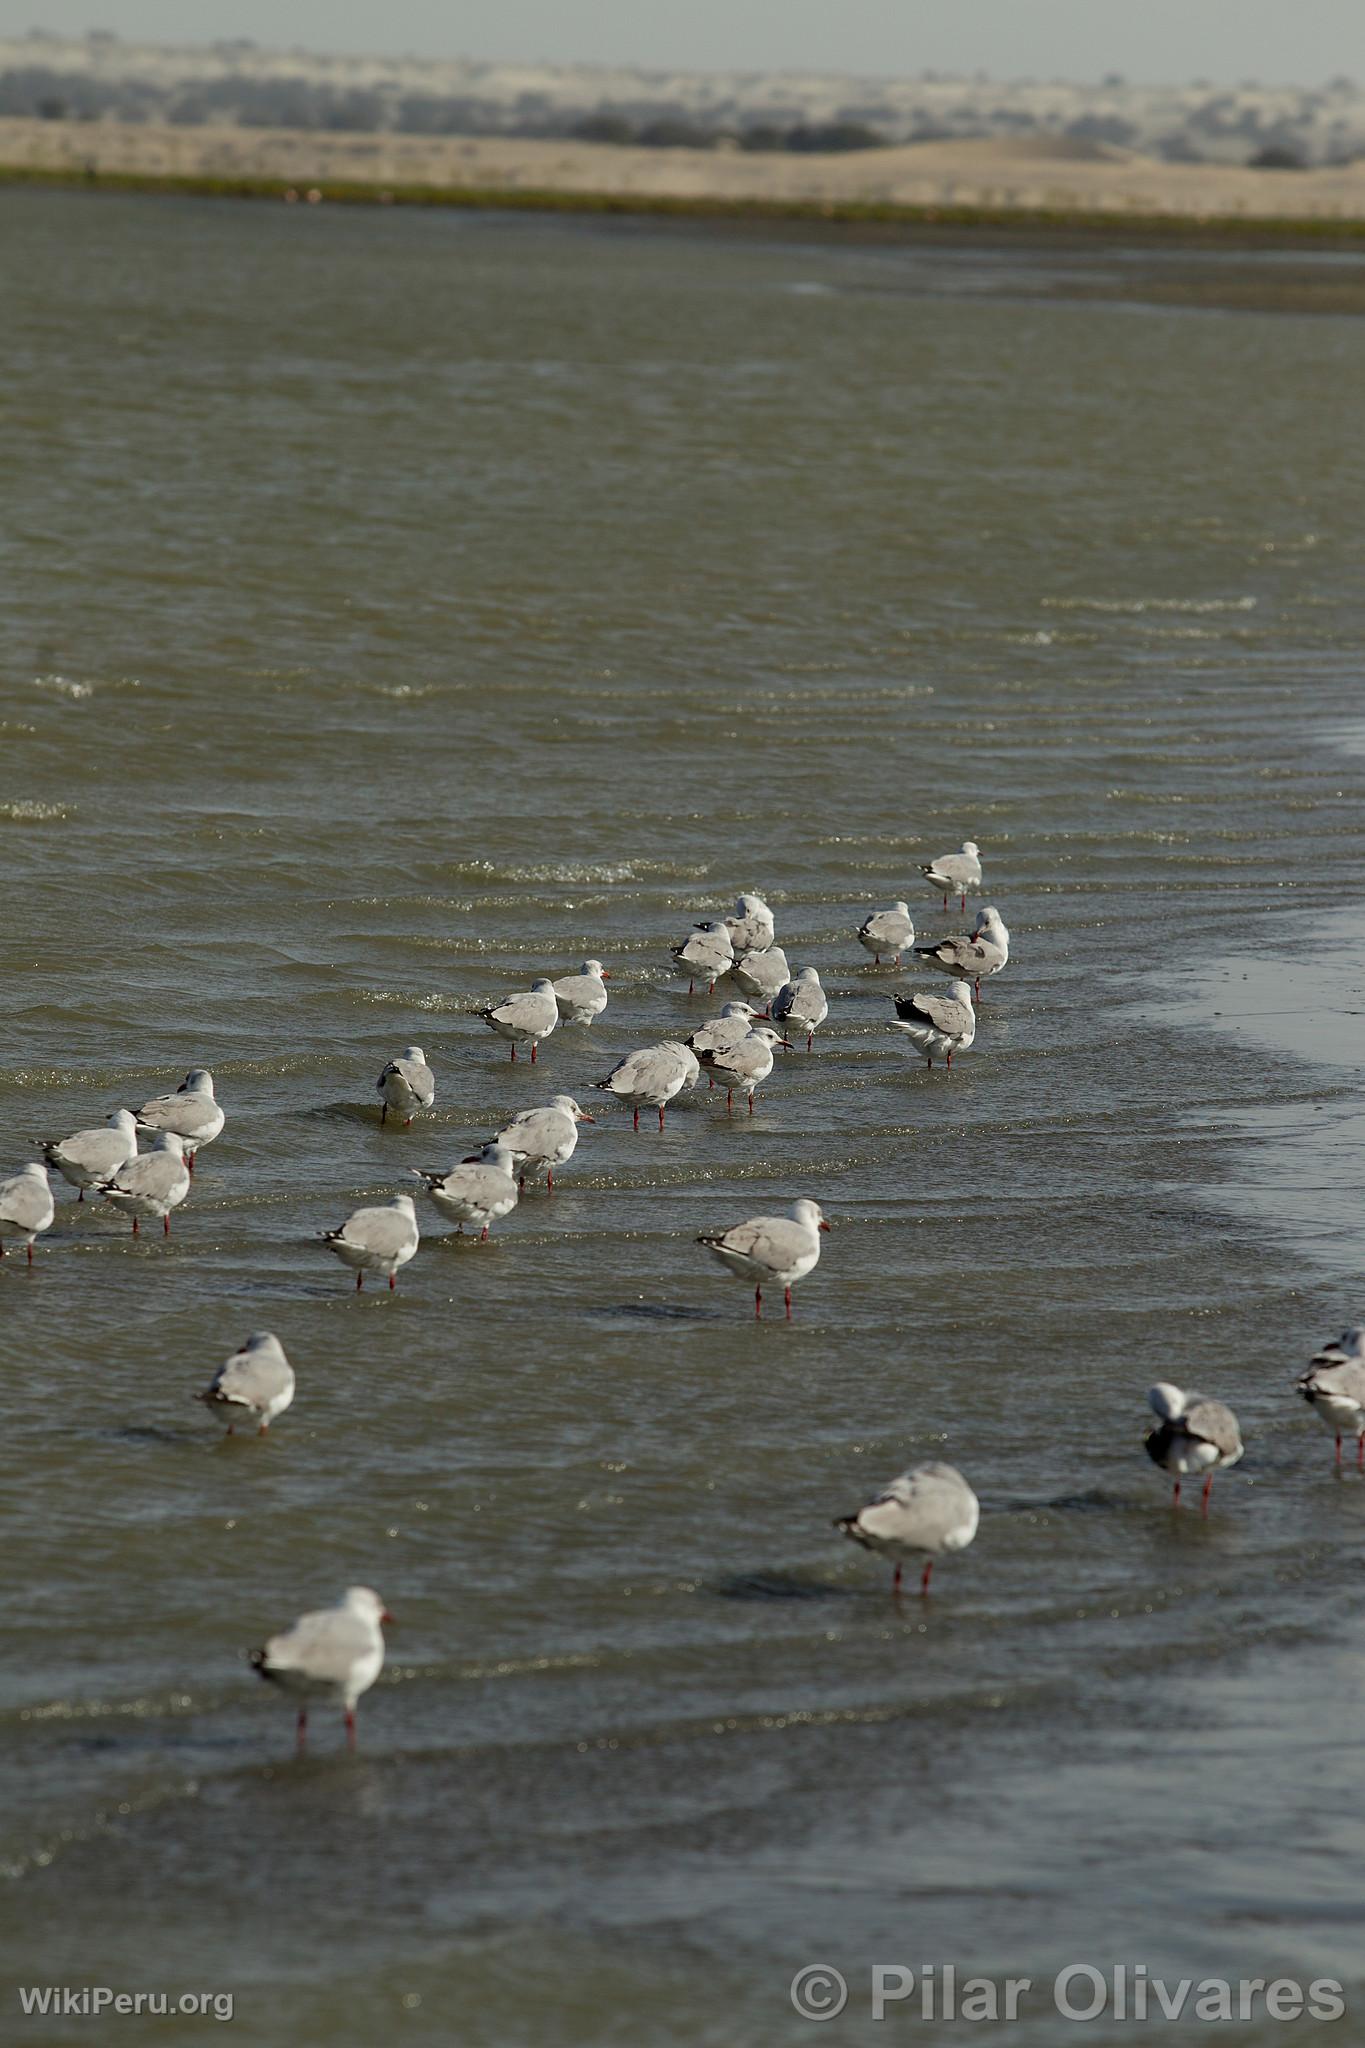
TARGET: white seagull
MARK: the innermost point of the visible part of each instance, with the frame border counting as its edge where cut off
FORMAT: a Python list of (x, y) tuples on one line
[(526, 1018), (929, 1508), (777, 1250), (745, 1063), (750, 925), (953, 874), (1196, 1435), (88, 1157), (802, 1002), (479, 1190), (26, 1206), (544, 1137), (888, 931), (191, 1113), (650, 1077), (726, 1029), (255, 1385), (407, 1084), (1334, 1387), (153, 1184), (336, 1653), (762, 974), (973, 956), (706, 955), (377, 1240), (938, 1024), (583, 996)]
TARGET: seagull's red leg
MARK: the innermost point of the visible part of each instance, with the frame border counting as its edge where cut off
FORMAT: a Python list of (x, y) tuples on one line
[(260, 1432), (384, 1114), (521, 1183), (964, 899), (359, 1282), (30, 1251), (924, 1580), (135, 1228), (550, 1181), (710, 988), (80, 1194), (729, 1100), (978, 988), (876, 959), (189, 1164), (758, 1302), (636, 1124), (1338, 1456), (896, 1581), (1204, 1496), (950, 1063), (692, 987), (787, 1297), (810, 1040), (661, 1116), (751, 1102), (350, 1727), (166, 1224), (301, 1731), (1360, 1452), (483, 1235), (1175, 1497), (710, 1078), (945, 903), (535, 1047), (929, 1061), (407, 1123), (393, 1282)]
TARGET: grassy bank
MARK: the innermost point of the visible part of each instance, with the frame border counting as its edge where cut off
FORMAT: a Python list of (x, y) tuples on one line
[(871, 216)]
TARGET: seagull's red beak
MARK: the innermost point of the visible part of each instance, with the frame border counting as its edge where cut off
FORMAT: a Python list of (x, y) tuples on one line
[(605, 975), (824, 1225), (387, 1617), (584, 1118)]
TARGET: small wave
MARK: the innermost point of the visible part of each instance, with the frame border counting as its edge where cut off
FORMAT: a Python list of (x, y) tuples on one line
[(1149, 604), (63, 686), (22, 813)]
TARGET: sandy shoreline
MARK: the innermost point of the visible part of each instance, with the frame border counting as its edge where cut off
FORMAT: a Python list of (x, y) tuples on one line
[(1027, 177)]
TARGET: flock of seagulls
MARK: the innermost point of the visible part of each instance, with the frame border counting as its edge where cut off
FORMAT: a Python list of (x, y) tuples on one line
[(931, 1510)]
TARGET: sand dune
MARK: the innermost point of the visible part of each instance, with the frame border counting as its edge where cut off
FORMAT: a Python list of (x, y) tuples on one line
[(1053, 173)]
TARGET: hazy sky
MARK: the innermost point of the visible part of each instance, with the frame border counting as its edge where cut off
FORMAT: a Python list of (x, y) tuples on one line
[(1157, 40)]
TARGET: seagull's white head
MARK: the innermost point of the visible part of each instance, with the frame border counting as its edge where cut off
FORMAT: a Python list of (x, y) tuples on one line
[(169, 1141), (414, 1052), (566, 1106), (961, 992), (810, 974), (366, 1604), (768, 1035), (495, 1155), (970, 846), (36, 1169), (122, 1120), (263, 1340), (1352, 1341), (750, 906), (595, 967), (1168, 1401), (542, 986), (740, 1010), (811, 1214), (713, 928), (405, 1203), (901, 909), (198, 1081)]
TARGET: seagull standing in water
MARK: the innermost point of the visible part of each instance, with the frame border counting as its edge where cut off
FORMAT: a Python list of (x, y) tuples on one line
[(153, 1184), (526, 1018), (802, 1003), (953, 874), (377, 1240), (191, 1113), (1334, 1388), (1195, 1435), (938, 1024), (544, 1137), (255, 1385), (888, 931), (336, 1653), (650, 1077), (582, 996), (88, 1157), (750, 925), (479, 1190), (762, 974), (706, 955), (745, 1063), (930, 1508), (973, 956), (407, 1084), (777, 1250), (26, 1206)]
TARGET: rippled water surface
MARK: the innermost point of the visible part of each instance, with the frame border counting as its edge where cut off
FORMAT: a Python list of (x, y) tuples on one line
[(398, 607)]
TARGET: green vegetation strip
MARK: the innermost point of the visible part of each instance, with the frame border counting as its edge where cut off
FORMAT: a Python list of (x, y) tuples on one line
[(1232, 228)]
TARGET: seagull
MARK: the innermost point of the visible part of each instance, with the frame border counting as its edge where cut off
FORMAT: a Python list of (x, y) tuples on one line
[(650, 1077), (377, 1240), (938, 1024), (975, 955), (26, 1206), (778, 1249), (88, 1157), (931, 1507), (479, 1190), (582, 996), (407, 1084), (802, 1002), (726, 1029), (707, 953), (337, 1652), (745, 1063), (152, 1184), (762, 974), (255, 1385), (1196, 1435), (953, 874), (1334, 1387), (544, 1137), (526, 1018), (888, 931), (191, 1113), (750, 925)]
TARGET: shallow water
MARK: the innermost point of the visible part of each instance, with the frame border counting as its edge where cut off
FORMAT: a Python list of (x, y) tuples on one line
[(401, 606)]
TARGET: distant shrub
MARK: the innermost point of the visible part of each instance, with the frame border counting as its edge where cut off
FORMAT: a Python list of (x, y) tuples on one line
[(1276, 156), (604, 128)]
